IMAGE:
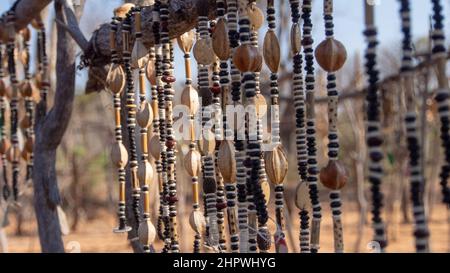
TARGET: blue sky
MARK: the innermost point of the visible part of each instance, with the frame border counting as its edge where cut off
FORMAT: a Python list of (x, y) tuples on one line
[(348, 22)]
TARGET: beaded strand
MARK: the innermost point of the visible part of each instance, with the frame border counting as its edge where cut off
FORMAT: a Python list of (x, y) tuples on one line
[(417, 179), (5, 143), (373, 135), (312, 178)]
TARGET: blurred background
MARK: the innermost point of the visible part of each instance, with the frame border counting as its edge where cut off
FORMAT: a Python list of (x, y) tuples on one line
[(87, 179)]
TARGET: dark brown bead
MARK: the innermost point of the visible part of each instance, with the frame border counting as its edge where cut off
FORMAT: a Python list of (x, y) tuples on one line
[(168, 79)]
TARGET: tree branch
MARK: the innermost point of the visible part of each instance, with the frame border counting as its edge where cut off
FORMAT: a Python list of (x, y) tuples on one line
[(72, 27), (26, 11)]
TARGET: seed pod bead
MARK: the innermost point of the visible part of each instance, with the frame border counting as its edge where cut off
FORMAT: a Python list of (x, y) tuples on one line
[(311, 126), (442, 96), (421, 232), (331, 55), (373, 135)]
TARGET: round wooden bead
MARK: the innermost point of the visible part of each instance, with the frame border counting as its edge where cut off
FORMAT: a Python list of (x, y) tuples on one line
[(197, 221), (186, 41), (155, 147), (2, 88), (147, 232), (256, 16), (265, 187), (207, 143), (145, 115), (334, 176), (119, 155), (227, 161), (296, 38), (302, 199), (145, 173), (271, 51), (247, 58), (29, 144), (150, 72), (276, 164), (203, 51), (26, 89), (189, 98), (331, 55), (192, 162), (220, 40), (4, 145), (115, 81), (122, 11)]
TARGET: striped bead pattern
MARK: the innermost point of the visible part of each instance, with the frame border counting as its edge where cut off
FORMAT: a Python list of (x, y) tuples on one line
[(373, 136), (310, 125)]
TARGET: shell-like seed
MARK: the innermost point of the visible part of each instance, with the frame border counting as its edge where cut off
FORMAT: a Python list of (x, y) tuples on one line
[(256, 16), (227, 161), (265, 187), (155, 147), (203, 52), (150, 72), (119, 155), (334, 176), (139, 55), (276, 164), (302, 199), (145, 115), (296, 39), (122, 11), (197, 221), (115, 79), (220, 40), (147, 232), (189, 98), (145, 173), (331, 55), (271, 51), (207, 143), (186, 41), (192, 162), (261, 105)]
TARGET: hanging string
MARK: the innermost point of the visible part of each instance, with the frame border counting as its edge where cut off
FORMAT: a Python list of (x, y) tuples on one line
[(373, 136), (310, 126), (417, 179)]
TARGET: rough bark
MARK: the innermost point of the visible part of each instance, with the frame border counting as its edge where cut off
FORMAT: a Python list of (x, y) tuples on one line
[(50, 129)]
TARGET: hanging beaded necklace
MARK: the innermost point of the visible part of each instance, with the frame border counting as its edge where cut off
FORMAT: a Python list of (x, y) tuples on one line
[(275, 160), (417, 179), (204, 54), (192, 160), (27, 92), (131, 114), (169, 79), (147, 232), (331, 56), (119, 155), (5, 144), (14, 151), (442, 96), (307, 43), (373, 136), (42, 77), (302, 200)]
